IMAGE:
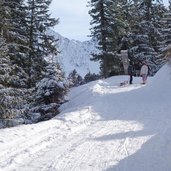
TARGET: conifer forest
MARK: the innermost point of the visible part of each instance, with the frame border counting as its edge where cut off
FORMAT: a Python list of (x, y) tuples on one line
[(32, 88)]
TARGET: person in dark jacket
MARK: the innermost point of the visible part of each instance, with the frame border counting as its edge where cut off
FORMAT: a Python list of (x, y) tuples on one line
[(130, 72)]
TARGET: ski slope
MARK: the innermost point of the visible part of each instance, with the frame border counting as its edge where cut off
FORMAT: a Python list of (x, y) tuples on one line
[(103, 127)]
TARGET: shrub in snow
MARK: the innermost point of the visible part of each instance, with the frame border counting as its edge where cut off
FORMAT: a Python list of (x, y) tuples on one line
[(51, 88), (43, 112), (49, 93), (11, 122), (91, 77), (74, 79)]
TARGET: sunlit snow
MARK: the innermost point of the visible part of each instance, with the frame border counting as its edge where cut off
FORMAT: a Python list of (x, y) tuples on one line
[(103, 127)]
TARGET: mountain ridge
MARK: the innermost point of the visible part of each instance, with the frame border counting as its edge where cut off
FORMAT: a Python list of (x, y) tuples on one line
[(75, 54)]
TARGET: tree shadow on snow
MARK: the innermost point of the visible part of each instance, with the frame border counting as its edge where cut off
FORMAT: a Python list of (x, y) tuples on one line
[(153, 155)]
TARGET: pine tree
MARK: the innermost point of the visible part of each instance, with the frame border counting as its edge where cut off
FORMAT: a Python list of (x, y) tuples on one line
[(24, 42), (112, 21), (12, 98), (74, 79), (11, 76), (91, 77), (105, 31), (17, 31), (40, 42), (4, 63), (14, 31), (164, 37), (49, 93), (4, 18), (124, 16), (144, 34)]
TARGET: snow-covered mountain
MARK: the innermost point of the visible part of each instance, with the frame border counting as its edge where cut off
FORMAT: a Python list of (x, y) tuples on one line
[(76, 55)]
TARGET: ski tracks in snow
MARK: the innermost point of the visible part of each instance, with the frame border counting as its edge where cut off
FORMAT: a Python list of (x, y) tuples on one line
[(92, 149), (66, 154), (87, 144)]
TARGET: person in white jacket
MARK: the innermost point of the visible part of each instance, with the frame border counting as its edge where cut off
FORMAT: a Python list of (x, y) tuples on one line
[(144, 72)]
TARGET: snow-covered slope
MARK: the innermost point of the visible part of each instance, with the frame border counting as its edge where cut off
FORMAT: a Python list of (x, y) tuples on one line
[(76, 55), (103, 127)]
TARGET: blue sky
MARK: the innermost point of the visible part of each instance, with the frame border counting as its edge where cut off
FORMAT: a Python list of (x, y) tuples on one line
[(74, 18)]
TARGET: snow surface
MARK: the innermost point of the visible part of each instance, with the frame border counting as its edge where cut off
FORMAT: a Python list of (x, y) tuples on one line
[(103, 127)]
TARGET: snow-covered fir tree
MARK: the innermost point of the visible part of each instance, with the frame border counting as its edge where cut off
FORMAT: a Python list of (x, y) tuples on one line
[(24, 42), (4, 18), (16, 35), (144, 33), (164, 37), (12, 98), (4, 62), (40, 42), (91, 77), (120, 25), (14, 31), (33, 89), (105, 31), (49, 93), (12, 77), (75, 79)]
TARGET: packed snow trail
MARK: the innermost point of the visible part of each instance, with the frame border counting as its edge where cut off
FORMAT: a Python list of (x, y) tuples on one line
[(103, 127)]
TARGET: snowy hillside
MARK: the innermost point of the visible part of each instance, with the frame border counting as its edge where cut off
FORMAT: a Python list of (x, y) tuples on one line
[(76, 55), (103, 127)]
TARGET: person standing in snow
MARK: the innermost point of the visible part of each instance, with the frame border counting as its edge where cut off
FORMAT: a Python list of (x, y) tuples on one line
[(144, 72), (130, 72)]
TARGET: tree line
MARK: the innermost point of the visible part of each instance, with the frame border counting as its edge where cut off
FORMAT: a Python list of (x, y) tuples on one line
[(30, 87), (140, 26)]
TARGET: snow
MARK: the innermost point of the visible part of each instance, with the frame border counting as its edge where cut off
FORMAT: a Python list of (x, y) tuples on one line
[(76, 55), (103, 127)]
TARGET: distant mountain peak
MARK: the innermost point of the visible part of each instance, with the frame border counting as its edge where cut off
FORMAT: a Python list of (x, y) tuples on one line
[(75, 54)]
